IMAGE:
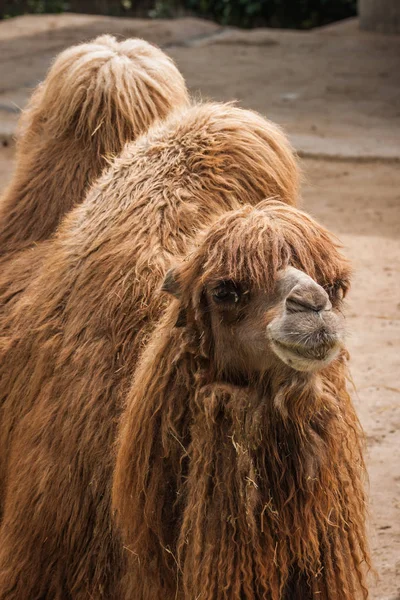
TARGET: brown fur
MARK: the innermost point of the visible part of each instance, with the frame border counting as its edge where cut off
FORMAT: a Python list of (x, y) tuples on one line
[(95, 97), (233, 492), (78, 328)]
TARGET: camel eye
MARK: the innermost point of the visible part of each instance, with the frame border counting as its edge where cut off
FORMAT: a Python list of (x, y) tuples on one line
[(336, 291), (227, 292)]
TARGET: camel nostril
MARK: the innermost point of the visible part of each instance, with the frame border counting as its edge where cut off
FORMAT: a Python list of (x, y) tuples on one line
[(308, 298)]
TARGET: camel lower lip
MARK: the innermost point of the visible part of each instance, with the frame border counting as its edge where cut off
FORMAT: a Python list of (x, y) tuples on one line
[(305, 353)]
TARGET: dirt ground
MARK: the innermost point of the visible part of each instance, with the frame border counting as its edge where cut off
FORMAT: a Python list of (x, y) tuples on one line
[(337, 94)]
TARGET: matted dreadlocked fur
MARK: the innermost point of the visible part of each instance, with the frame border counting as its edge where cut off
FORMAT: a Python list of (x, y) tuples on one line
[(75, 333), (227, 492), (96, 97)]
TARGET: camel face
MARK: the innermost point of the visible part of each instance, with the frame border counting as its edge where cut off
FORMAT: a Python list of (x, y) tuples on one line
[(264, 290), (256, 329), (307, 333)]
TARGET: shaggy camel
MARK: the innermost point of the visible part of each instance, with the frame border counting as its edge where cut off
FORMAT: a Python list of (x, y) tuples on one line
[(239, 471), (76, 332), (95, 97)]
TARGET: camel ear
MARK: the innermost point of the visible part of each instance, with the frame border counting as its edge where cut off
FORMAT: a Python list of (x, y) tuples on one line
[(171, 284), (181, 320)]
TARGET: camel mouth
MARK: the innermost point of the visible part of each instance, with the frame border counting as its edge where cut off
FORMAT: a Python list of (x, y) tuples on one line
[(308, 357)]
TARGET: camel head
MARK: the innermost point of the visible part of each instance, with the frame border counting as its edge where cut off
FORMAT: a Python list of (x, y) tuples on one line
[(263, 289)]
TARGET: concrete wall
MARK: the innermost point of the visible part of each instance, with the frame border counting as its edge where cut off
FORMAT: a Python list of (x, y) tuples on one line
[(380, 15)]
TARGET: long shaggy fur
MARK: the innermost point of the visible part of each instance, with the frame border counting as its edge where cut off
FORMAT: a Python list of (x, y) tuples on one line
[(228, 492), (76, 332), (95, 97)]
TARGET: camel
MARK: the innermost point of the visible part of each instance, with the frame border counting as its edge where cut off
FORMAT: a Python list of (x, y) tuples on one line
[(239, 472), (76, 331)]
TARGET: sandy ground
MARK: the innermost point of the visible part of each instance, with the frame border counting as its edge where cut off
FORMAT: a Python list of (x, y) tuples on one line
[(336, 91)]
